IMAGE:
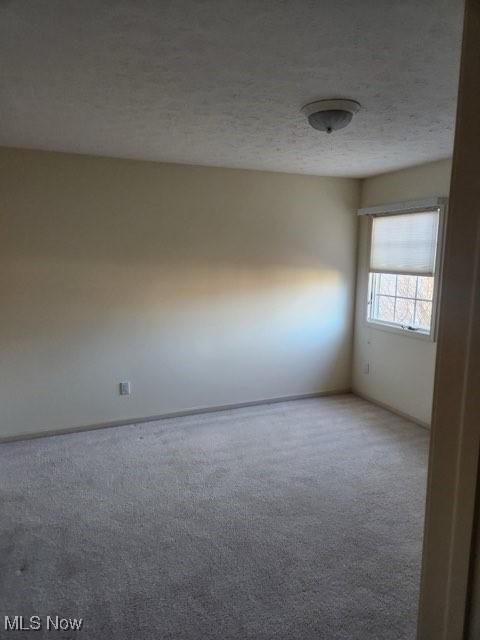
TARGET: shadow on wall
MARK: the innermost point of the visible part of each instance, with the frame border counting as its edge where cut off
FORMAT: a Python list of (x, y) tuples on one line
[(99, 210)]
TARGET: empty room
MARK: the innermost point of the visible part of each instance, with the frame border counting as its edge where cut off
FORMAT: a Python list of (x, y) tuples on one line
[(223, 230)]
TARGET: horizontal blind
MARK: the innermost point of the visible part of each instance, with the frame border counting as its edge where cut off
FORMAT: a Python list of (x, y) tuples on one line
[(405, 243)]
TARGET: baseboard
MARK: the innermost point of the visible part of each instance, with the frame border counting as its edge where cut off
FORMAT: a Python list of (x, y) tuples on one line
[(384, 405), (165, 416)]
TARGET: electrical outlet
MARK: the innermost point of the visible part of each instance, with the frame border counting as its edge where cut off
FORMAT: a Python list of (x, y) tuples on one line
[(124, 388), (366, 368)]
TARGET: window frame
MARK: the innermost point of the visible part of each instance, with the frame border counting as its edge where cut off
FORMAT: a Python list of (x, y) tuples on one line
[(418, 206)]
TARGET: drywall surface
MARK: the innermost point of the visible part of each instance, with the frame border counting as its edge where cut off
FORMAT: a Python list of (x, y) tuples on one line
[(200, 286), (401, 366)]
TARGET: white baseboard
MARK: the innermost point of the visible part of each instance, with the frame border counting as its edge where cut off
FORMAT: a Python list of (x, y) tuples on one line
[(389, 407), (163, 416)]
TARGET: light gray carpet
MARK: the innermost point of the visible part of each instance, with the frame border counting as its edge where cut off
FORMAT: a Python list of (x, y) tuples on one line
[(293, 521)]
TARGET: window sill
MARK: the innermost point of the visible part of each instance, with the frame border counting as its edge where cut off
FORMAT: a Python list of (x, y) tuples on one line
[(391, 328)]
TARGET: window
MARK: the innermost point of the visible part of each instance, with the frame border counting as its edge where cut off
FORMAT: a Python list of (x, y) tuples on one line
[(403, 270), (403, 300)]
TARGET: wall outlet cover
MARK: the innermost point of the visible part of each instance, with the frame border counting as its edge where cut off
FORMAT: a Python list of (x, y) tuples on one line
[(124, 388)]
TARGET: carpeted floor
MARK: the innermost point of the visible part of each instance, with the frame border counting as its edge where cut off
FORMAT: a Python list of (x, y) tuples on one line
[(293, 521)]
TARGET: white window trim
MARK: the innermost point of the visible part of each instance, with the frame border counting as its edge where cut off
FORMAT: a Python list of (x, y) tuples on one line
[(412, 206)]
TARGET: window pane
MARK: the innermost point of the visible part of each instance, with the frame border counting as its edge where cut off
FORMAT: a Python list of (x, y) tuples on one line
[(385, 309), (423, 315), (425, 288), (406, 286), (397, 300), (404, 312), (387, 283)]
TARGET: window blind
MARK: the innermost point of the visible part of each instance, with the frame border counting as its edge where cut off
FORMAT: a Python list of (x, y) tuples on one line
[(405, 243)]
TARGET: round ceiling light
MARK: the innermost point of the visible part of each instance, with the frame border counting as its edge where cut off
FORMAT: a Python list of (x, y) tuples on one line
[(330, 115)]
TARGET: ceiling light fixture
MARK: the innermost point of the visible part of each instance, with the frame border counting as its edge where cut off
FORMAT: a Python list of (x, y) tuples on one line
[(330, 115)]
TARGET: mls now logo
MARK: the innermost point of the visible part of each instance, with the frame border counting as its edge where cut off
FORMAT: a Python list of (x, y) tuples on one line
[(34, 623)]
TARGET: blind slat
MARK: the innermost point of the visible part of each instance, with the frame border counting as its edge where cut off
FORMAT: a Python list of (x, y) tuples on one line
[(405, 243)]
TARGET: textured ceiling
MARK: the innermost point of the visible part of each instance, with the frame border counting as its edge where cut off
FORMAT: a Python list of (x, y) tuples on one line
[(221, 82)]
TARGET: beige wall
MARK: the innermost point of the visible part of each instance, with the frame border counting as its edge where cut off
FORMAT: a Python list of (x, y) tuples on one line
[(401, 366), (201, 286)]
